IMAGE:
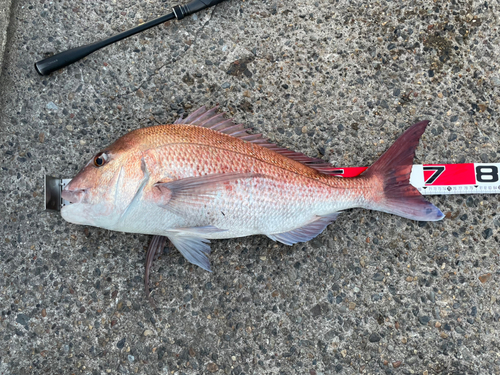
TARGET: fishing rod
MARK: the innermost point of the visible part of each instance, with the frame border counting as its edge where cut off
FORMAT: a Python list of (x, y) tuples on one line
[(60, 60), (428, 179)]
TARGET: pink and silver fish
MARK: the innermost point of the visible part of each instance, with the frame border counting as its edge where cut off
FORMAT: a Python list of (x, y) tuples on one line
[(205, 177)]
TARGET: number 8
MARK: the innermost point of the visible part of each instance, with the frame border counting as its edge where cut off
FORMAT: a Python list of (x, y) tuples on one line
[(486, 173)]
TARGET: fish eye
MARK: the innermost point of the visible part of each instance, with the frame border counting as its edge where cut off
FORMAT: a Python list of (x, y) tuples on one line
[(100, 159)]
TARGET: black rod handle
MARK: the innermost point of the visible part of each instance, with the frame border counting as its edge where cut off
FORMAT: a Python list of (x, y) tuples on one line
[(182, 11), (60, 60)]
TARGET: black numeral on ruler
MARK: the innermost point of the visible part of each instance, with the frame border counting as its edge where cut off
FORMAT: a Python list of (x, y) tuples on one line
[(486, 173), (438, 171)]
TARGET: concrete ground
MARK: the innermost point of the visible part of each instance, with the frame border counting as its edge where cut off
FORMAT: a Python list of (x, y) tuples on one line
[(339, 80)]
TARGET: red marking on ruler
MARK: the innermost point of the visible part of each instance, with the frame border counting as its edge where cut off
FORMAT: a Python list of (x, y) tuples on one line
[(434, 174), (350, 171), (453, 174)]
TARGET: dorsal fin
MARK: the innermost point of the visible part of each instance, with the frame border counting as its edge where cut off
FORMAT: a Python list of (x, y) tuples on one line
[(216, 121)]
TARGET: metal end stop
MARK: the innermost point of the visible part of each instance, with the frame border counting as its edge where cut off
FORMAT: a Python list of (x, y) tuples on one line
[(53, 190)]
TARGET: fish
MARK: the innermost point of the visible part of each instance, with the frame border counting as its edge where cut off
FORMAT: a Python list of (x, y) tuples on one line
[(205, 177)]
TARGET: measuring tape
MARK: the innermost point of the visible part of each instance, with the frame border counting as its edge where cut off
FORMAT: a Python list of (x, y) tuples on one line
[(429, 179), (437, 179)]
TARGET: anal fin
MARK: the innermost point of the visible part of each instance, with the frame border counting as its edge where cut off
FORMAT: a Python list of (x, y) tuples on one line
[(306, 232)]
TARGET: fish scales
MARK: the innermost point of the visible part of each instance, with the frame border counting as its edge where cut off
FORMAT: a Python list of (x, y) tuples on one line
[(271, 204), (163, 136)]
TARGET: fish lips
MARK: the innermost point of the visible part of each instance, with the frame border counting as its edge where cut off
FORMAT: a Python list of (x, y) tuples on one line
[(78, 211), (83, 211), (74, 196)]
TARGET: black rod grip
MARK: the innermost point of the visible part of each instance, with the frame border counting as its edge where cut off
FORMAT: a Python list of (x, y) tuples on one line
[(182, 11), (60, 60)]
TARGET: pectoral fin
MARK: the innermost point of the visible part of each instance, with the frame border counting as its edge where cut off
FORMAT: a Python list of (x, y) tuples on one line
[(194, 191)]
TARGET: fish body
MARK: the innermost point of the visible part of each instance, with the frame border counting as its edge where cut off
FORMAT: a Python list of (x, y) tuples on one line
[(266, 193), (205, 177)]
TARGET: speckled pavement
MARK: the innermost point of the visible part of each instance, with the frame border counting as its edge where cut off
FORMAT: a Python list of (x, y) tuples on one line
[(339, 80)]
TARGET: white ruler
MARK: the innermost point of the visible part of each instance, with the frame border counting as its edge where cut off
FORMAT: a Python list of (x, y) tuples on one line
[(436, 179)]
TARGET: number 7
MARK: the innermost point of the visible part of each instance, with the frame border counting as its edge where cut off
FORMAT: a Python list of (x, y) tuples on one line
[(438, 171)]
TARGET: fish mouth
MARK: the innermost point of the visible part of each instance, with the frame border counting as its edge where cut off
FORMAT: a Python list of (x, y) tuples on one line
[(74, 196)]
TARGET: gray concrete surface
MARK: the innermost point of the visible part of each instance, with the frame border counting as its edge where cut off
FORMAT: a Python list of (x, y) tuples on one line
[(336, 79), (4, 25)]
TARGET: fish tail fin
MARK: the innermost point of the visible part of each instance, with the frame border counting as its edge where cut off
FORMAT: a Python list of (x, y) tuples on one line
[(390, 176)]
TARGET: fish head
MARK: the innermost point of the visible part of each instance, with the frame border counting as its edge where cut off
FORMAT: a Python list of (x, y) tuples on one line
[(106, 185)]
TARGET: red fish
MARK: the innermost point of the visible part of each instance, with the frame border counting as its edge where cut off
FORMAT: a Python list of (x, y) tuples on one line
[(205, 177)]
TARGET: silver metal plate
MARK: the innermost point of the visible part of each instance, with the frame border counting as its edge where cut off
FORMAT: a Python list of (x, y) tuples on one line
[(53, 190)]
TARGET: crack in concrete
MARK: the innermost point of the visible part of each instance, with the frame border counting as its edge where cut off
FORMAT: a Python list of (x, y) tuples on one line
[(172, 61), (6, 15)]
